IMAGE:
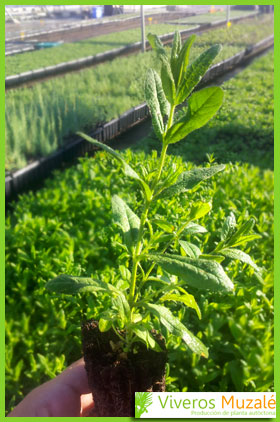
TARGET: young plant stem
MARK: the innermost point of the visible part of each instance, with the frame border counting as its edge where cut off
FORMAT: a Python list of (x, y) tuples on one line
[(179, 232), (138, 247)]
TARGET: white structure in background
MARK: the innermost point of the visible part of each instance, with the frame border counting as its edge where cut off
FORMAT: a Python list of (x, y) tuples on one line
[(19, 13)]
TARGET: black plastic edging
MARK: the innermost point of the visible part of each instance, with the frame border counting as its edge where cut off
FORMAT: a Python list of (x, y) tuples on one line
[(26, 178), (19, 51), (31, 175), (64, 67)]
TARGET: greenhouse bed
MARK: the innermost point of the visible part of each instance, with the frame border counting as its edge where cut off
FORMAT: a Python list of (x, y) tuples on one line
[(48, 35), (33, 75), (36, 172), (71, 52), (40, 118)]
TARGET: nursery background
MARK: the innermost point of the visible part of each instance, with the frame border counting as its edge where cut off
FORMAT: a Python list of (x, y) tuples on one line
[(83, 68)]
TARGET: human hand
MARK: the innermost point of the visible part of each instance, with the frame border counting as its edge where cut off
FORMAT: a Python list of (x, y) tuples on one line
[(66, 395)]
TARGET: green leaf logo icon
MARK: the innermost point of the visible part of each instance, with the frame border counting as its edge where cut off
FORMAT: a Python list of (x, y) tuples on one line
[(142, 401)]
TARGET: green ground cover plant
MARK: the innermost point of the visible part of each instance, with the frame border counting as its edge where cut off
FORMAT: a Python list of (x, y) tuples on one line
[(34, 60), (38, 118), (66, 227)]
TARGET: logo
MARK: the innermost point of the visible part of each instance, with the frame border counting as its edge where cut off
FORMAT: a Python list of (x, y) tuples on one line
[(142, 401), (205, 405)]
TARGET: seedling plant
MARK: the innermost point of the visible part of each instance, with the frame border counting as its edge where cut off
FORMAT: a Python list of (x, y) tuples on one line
[(161, 265)]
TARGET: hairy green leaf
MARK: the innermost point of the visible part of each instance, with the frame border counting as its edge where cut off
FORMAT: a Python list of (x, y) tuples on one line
[(142, 332), (186, 298), (195, 71), (127, 169), (156, 44), (182, 62), (193, 228), (202, 106), (199, 273), (136, 318), (244, 239), (175, 327), (156, 100), (210, 257), (72, 285), (176, 48), (106, 321), (242, 231), (163, 103), (168, 83), (240, 255), (199, 209), (228, 226), (126, 220), (190, 249), (121, 304), (189, 179), (164, 225)]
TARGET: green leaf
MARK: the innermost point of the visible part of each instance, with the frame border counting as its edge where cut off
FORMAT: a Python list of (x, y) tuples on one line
[(240, 255), (126, 219), (196, 71), (127, 169), (243, 230), (186, 298), (143, 334), (106, 321), (202, 106), (183, 61), (164, 237), (245, 239), (236, 371), (176, 47), (163, 103), (199, 209), (136, 318), (193, 228), (175, 327), (228, 226), (199, 273), (168, 83), (218, 258), (189, 179), (156, 44), (164, 225), (122, 307), (156, 100), (190, 249), (71, 285)]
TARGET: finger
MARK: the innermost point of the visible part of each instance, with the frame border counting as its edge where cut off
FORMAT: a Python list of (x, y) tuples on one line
[(87, 404), (75, 376), (60, 396)]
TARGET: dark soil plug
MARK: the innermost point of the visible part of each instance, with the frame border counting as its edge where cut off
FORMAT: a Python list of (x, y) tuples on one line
[(115, 376)]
